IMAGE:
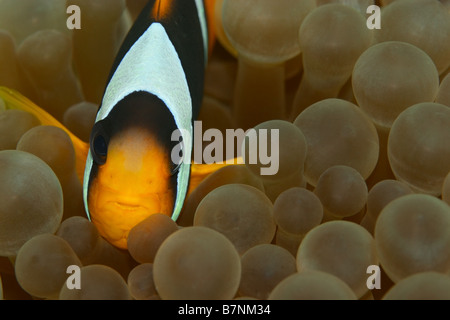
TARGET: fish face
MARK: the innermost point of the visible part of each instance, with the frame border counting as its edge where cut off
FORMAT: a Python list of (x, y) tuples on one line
[(132, 175), (133, 183)]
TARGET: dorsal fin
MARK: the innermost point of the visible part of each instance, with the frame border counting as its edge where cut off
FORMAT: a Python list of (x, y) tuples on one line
[(161, 9)]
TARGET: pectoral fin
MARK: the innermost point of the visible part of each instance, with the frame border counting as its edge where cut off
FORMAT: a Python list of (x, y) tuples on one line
[(199, 172)]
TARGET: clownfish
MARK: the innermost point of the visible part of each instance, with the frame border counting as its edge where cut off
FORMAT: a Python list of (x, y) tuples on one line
[(155, 88)]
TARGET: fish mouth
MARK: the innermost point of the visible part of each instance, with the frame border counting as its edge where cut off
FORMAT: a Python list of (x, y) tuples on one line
[(128, 206)]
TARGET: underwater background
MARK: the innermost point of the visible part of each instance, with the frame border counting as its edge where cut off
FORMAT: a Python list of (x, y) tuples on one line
[(358, 209)]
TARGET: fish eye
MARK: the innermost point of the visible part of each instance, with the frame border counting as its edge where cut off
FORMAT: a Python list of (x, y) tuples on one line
[(99, 144)]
